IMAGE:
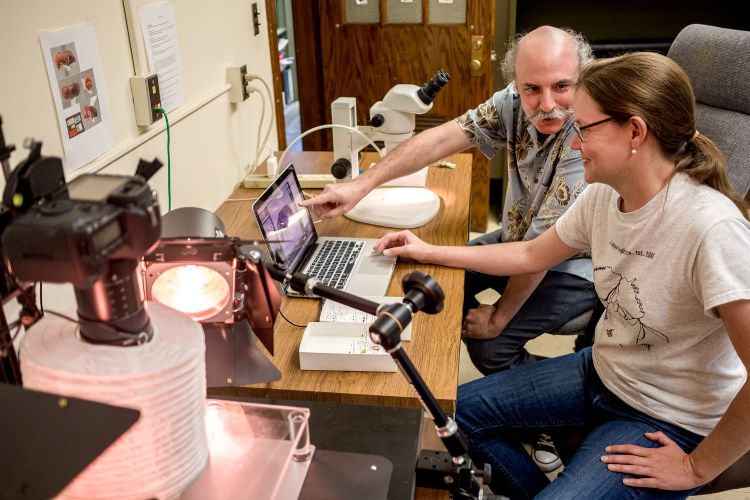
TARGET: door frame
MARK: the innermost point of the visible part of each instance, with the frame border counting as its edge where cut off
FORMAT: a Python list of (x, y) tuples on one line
[(307, 34), (273, 48)]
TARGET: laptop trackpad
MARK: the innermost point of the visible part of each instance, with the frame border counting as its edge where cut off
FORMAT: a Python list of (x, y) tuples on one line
[(376, 264)]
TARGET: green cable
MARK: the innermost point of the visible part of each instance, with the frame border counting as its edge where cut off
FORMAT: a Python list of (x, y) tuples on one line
[(169, 162)]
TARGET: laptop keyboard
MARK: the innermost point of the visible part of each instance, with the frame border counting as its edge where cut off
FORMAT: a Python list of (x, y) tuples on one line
[(334, 262)]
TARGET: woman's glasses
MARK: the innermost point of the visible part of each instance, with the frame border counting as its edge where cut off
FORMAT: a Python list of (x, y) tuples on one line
[(579, 130)]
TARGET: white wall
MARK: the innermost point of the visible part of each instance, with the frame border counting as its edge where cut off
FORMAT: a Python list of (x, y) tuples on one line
[(211, 139)]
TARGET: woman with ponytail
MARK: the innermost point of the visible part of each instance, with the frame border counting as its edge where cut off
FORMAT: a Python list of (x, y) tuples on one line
[(663, 395)]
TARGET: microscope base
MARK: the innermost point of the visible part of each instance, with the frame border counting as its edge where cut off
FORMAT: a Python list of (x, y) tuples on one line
[(400, 207)]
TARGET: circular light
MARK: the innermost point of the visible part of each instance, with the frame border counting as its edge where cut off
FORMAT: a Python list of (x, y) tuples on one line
[(198, 291)]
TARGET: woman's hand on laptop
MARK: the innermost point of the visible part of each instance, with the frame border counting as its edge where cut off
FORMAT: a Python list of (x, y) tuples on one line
[(336, 199), (404, 244)]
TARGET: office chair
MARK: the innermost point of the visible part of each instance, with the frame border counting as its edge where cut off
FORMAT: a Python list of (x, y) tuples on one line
[(717, 62)]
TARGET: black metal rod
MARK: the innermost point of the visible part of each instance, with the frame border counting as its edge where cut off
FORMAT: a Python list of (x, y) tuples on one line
[(300, 283), (451, 436), (419, 385), (346, 298), (389, 331)]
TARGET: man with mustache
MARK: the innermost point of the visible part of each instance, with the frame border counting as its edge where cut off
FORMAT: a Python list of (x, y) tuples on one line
[(531, 118)]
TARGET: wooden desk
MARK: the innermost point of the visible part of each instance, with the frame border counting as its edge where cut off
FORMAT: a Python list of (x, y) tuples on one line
[(435, 345)]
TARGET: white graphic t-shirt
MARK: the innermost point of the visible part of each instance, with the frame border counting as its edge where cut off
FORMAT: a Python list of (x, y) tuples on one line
[(661, 271)]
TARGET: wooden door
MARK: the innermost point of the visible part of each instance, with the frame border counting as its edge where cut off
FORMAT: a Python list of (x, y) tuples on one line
[(335, 58)]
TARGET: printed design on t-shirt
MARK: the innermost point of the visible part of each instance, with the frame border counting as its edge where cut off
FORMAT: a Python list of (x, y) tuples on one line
[(638, 253), (623, 300)]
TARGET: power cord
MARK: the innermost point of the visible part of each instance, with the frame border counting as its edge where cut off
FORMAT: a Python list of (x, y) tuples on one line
[(325, 126), (260, 146), (256, 161), (290, 321), (30, 313), (63, 316), (169, 161)]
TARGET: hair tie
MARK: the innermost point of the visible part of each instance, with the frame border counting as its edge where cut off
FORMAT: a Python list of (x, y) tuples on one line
[(696, 134)]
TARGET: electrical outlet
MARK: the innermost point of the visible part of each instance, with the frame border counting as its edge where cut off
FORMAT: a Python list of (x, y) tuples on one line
[(256, 19), (146, 98), (236, 78)]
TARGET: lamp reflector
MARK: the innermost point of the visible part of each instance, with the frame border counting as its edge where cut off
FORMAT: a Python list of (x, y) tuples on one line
[(198, 291)]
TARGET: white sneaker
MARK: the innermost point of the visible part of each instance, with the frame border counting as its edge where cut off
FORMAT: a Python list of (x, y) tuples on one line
[(545, 454)]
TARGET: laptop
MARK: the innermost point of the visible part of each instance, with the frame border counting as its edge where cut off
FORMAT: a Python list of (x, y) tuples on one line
[(348, 264)]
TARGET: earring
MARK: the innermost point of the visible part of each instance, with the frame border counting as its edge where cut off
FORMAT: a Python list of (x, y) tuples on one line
[(633, 151)]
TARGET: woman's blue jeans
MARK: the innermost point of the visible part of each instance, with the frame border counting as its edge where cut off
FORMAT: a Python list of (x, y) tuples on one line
[(556, 396)]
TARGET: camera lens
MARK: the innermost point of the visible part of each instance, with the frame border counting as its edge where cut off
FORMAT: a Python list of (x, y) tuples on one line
[(429, 90)]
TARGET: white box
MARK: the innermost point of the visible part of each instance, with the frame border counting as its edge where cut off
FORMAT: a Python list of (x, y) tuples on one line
[(342, 346), (339, 313)]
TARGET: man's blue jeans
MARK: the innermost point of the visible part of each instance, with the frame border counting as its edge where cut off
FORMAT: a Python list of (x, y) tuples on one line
[(556, 396), (559, 298)]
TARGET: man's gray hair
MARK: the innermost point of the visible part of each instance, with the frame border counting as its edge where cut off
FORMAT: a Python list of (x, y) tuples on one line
[(583, 49)]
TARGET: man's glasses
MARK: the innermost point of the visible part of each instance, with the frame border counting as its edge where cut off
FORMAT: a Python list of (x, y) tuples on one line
[(579, 130)]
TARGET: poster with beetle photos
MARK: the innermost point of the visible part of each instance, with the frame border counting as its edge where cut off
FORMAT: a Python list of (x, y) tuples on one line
[(79, 92)]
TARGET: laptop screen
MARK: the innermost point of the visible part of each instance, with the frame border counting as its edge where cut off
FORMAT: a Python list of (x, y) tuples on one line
[(287, 227)]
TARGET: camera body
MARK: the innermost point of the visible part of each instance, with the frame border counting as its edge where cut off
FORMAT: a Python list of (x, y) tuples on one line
[(91, 221)]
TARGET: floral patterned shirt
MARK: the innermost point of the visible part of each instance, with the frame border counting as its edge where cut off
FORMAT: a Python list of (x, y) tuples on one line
[(544, 178)]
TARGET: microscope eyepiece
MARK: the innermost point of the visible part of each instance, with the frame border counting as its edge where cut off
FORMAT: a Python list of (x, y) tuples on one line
[(429, 90)]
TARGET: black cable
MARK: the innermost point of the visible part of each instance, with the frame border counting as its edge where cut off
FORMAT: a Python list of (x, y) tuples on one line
[(21, 289), (41, 299), (63, 316), (292, 322), (12, 337)]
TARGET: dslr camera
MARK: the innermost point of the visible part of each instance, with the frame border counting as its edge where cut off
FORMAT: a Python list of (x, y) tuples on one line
[(89, 222), (90, 232)]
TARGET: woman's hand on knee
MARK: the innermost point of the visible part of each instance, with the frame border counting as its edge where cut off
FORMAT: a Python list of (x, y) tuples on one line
[(667, 467)]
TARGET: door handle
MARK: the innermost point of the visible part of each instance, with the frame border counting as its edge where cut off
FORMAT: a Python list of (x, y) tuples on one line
[(476, 65)]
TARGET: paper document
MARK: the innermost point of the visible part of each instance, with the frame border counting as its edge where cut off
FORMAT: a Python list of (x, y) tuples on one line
[(159, 27), (334, 312)]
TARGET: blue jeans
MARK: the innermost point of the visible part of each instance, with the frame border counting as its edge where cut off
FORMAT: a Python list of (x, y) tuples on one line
[(559, 298), (557, 396)]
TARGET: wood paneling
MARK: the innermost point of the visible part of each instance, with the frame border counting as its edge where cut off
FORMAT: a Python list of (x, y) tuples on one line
[(366, 60), (310, 73)]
